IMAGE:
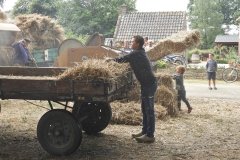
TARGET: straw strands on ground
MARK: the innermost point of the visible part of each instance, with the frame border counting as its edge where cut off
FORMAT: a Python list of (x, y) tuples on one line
[(95, 69), (42, 30), (130, 113), (176, 43)]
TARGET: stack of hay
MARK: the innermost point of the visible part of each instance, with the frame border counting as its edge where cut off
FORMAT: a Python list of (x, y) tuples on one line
[(166, 95), (176, 43), (129, 111), (42, 30), (3, 16)]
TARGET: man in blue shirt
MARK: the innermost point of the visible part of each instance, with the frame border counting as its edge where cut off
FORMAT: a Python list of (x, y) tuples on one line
[(22, 54), (142, 69)]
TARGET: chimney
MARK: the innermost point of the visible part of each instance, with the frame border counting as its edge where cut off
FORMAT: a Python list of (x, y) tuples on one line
[(123, 9), (121, 12)]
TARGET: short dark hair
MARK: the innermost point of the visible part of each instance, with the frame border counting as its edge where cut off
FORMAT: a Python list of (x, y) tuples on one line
[(27, 40), (139, 40)]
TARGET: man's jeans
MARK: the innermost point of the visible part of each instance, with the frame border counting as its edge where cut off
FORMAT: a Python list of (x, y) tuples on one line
[(147, 96)]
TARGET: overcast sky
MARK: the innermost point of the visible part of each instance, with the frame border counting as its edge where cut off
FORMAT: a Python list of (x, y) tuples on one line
[(141, 5), (161, 5)]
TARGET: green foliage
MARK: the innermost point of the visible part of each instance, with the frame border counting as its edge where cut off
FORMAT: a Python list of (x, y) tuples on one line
[(230, 10), (89, 17), (44, 7), (205, 17), (81, 38), (161, 64), (222, 61), (193, 51)]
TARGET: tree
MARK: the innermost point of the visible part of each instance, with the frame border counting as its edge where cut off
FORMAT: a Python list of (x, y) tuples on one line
[(204, 16), (44, 7), (90, 16), (230, 10)]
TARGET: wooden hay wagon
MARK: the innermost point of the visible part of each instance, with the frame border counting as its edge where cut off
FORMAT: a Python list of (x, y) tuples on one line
[(59, 131)]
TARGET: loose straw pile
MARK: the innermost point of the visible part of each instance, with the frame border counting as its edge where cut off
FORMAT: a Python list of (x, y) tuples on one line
[(176, 43), (3, 16), (42, 30), (130, 113)]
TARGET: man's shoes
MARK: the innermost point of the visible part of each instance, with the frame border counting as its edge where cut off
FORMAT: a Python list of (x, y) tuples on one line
[(189, 109), (137, 135), (215, 88), (210, 88), (145, 139)]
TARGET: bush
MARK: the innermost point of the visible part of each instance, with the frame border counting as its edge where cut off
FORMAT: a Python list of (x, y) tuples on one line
[(222, 61), (161, 64)]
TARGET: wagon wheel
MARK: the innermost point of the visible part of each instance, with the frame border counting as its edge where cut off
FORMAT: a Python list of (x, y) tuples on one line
[(94, 117), (58, 132)]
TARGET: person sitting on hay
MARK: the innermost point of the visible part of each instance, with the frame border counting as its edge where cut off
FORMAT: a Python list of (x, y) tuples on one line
[(141, 66), (22, 55)]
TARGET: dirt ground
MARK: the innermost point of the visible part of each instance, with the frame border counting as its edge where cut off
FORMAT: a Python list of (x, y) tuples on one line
[(211, 131)]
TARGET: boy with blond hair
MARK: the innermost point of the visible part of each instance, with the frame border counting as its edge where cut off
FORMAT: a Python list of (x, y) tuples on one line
[(181, 92)]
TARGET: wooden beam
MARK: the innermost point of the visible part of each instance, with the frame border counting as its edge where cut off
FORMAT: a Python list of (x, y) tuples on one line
[(31, 71)]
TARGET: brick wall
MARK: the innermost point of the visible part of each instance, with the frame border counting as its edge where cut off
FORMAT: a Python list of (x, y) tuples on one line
[(192, 73)]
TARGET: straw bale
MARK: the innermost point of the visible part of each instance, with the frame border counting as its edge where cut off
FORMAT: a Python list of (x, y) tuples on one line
[(3, 16), (167, 98), (165, 80), (178, 42), (130, 113), (95, 70), (42, 30)]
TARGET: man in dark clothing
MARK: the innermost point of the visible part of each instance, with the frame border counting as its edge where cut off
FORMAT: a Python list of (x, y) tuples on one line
[(22, 54), (142, 69)]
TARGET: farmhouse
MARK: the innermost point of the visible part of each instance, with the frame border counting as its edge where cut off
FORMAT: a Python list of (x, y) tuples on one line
[(154, 25)]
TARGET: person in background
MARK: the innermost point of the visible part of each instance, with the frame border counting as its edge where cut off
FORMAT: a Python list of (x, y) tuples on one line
[(181, 92), (211, 68), (149, 45), (142, 69), (145, 42), (22, 54)]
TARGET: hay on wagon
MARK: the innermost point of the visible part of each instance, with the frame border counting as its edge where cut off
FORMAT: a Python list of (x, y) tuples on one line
[(95, 69)]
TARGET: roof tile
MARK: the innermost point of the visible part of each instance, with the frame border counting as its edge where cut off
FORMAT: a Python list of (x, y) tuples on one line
[(155, 25)]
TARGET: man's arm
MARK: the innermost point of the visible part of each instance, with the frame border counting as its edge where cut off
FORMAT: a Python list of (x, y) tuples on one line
[(216, 65), (207, 65), (123, 59)]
